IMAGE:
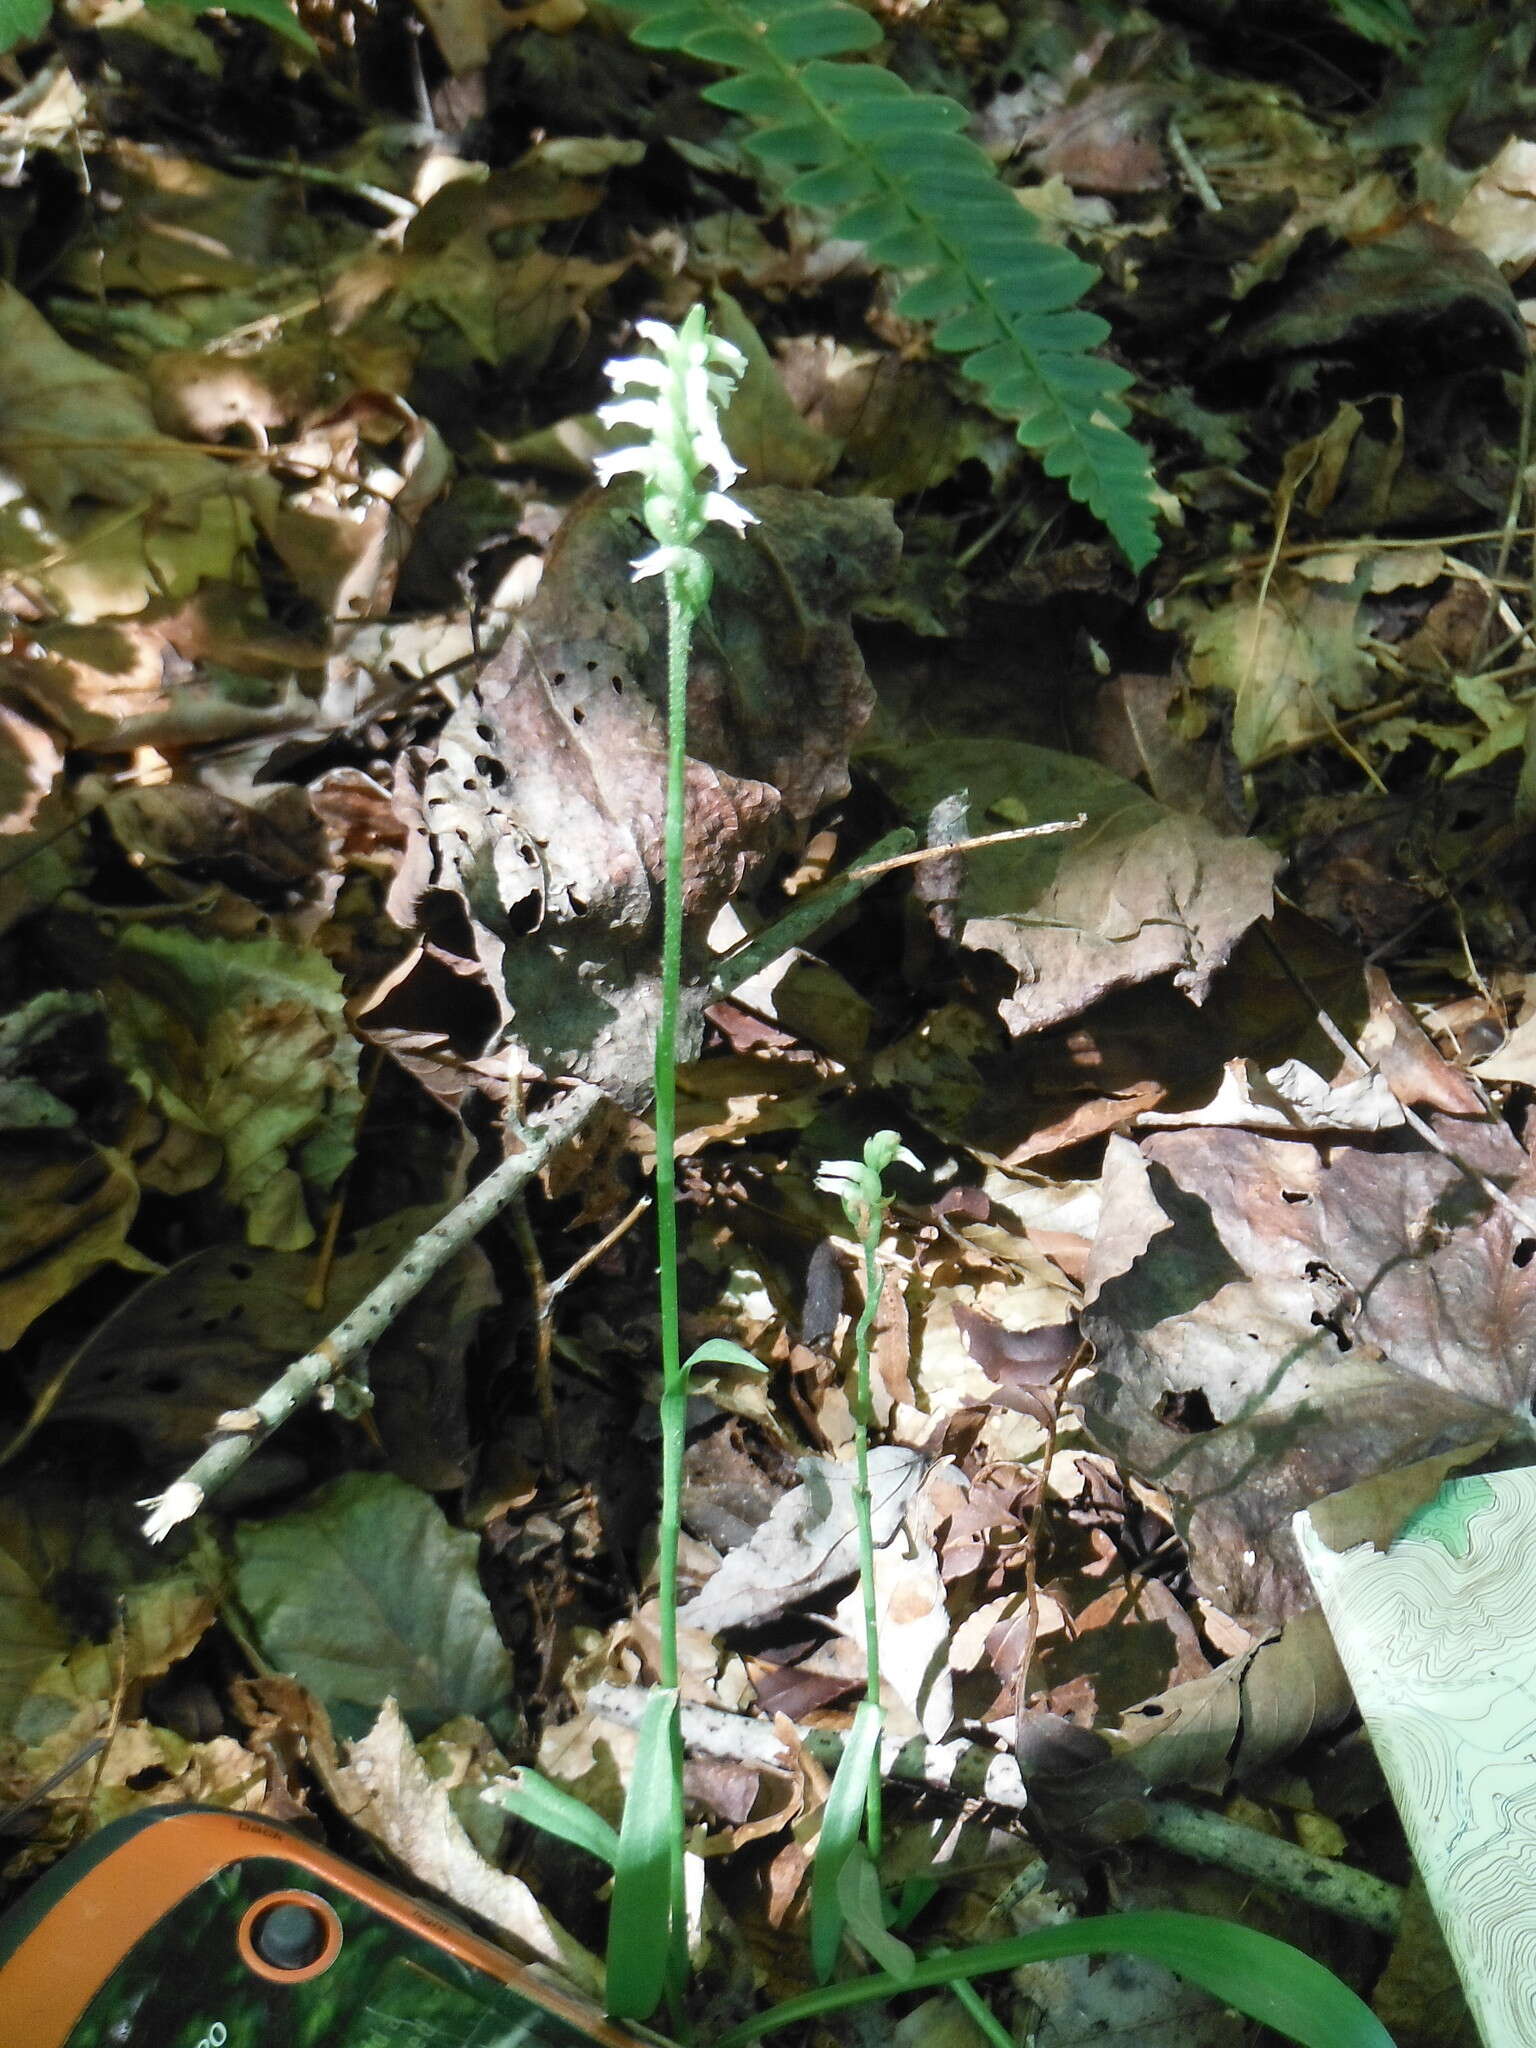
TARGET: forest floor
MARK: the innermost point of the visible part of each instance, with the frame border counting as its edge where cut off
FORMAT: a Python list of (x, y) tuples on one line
[(329, 794)]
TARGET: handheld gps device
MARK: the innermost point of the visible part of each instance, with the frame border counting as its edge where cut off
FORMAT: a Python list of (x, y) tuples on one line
[(189, 1927)]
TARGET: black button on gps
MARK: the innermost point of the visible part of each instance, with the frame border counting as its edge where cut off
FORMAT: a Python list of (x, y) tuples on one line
[(290, 1936)]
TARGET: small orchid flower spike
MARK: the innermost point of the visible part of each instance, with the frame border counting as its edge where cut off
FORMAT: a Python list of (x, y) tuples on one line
[(691, 377), (859, 1183)]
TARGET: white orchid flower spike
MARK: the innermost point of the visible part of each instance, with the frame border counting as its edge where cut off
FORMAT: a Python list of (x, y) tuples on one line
[(687, 468)]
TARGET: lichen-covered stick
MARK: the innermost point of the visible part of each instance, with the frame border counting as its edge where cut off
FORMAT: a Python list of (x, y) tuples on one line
[(971, 1771), (242, 1432)]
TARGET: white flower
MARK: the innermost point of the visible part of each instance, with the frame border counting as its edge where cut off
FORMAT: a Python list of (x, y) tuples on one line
[(692, 376), (168, 1510), (859, 1183)]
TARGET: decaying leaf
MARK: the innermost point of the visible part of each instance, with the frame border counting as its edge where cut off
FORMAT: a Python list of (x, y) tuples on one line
[(1418, 286), (243, 1044), (62, 1700), (1290, 658), (395, 1799), (71, 1205), (807, 1545), (1137, 892), (360, 480), (1256, 1709), (158, 1624), (913, 1617), (1515, 1060), (103, 512), (1275, 1318), (1498, 215), (900, 427), (161, 680), (32, 1637), (542, 806), (367, 1594), (173, 224), (1290, 1097)]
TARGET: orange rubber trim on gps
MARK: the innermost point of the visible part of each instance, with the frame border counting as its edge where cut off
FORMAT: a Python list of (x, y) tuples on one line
[(61, 1965)]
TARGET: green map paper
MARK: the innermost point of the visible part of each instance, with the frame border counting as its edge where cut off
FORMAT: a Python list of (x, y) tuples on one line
[(1438, 1636)]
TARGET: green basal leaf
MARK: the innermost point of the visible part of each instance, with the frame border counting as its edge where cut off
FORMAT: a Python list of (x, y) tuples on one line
[(533, 1798), (22, 20), (640, 1931), (721, 1351), (864, 1914), (841, 1827), (1267, 1979)]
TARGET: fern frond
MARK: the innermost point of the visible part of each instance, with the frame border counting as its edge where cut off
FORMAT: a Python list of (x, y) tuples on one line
[(891, 165)]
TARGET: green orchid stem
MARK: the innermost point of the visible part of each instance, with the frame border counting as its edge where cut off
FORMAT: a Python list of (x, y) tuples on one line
[(673, 398), (863, 1509), (674, 1378), (674, 1396)]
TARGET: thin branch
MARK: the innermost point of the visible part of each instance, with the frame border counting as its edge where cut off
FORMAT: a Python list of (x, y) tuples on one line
[(543, 1332), (972, 1772), (332, 181), (1036, 1534), (821, 904), (1193, 169), (911, 860), (804, 918), (242, 1432), (594, 1252)]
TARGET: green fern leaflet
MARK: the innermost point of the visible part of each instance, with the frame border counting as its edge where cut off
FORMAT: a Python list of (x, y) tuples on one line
[(890, 164)]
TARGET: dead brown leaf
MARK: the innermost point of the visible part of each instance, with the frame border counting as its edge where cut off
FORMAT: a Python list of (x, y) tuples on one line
[(1256, 1709), (69, 1209), (407, 1812), (1275, 1318), (1110, 140), (1137, 892), (542, 806), (1417, 279)]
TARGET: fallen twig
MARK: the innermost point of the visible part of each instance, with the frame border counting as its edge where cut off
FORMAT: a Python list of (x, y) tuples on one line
[(973, 1772), (244, 1430), (819, 905)]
